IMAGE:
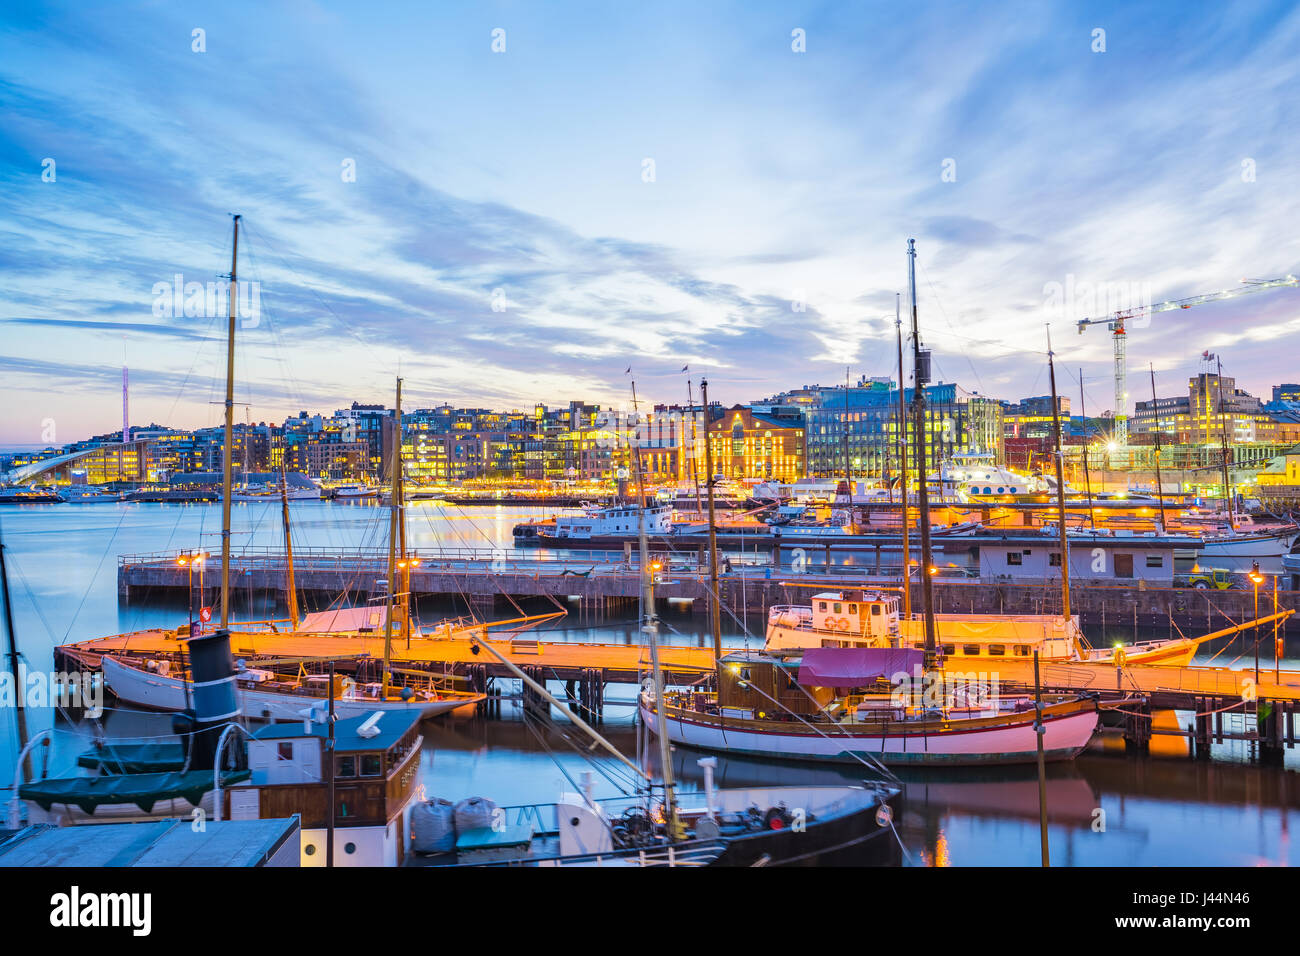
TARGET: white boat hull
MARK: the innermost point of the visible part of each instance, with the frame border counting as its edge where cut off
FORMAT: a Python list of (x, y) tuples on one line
[(1065, 737), (155, 692), (1241, 553)]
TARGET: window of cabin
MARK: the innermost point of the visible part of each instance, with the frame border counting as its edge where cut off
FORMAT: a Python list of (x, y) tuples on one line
[(971, 650), (835, 608), (1155, 560), (284, 751), (949, 649), (875, 609), (1123, 565), (1015, 558), (1020, 650), (997, 650), (346, 767), (853, 609), (372, 765), (821, 605), (1054, 559)]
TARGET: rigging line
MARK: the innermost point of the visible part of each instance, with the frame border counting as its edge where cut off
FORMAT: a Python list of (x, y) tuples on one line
[(312, 289), (874, 765), (95, 576)]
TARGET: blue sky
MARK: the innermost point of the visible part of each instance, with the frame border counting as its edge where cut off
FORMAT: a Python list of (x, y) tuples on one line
[(781, 178)]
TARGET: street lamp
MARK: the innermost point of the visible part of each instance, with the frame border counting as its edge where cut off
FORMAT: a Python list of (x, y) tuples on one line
[(1256, 579)]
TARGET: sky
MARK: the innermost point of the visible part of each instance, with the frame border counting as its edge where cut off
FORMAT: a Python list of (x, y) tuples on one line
[(511, 203)]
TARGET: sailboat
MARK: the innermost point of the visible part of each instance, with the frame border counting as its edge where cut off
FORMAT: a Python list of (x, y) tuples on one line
[(891, 704), (279, 688), (766, 826)]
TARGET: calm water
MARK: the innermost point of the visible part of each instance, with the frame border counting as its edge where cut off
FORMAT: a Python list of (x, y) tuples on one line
[(1161, 810)]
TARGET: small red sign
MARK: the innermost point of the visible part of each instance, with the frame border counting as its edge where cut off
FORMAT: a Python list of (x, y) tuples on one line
[(205, 614)]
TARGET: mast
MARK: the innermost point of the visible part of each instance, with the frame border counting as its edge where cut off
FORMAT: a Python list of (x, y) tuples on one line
[(902, 465), (226, 463), (715, 612), (1223, 425), (650, 628), (695, 465), (394, 532), (1160, 487), (919, 379), (288, 551), (1060, 484), (20, 711), (1087, 478)]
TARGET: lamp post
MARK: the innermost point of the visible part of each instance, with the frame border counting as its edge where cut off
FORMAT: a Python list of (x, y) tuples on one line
[(1256, 579), (185, 560)]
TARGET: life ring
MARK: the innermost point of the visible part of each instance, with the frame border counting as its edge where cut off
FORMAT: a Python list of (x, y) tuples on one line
[(829, 623), (842, 624)]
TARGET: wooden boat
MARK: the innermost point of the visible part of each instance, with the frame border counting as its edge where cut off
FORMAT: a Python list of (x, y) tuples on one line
[(782, 707), (271, 693), (871, 618)]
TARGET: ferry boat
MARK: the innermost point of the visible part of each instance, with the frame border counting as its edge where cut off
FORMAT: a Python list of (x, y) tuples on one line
[(843, 704), (595, 526), (980, 478), (30, 495), (869, 618)]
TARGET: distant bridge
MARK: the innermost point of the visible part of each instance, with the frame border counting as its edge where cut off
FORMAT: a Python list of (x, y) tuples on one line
[(26, 474)]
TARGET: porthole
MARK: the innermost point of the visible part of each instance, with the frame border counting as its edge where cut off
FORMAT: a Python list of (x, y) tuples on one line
[(309, 849), (349, 848)]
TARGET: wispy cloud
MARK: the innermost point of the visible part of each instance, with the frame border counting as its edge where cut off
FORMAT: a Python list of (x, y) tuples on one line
[(500, 246)]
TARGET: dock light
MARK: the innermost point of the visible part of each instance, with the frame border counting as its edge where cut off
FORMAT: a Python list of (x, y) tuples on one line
[(415, 562), (933, 569), (1257, 577), (180, 560)]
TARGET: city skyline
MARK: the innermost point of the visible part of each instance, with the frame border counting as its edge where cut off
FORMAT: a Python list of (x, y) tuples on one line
[(501, 245)]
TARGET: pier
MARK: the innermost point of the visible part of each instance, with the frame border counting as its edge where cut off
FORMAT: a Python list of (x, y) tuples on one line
[(481, 579)]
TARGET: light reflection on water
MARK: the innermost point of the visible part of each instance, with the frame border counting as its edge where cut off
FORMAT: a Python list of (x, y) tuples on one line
[(1157, 810)]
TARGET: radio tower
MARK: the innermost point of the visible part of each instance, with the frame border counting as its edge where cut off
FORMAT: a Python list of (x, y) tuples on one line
[(126, 420)]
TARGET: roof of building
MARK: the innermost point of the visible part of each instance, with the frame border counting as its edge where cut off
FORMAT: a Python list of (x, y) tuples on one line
[(158, 843), (392, 725)]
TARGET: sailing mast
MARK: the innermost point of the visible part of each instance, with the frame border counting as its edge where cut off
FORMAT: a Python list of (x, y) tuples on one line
[(291, 585), (1087, 477), (1060, 488), (695, 465), (902, 465), (1160, 486), (650, 628), (226, 463), (919, 378), (715, 612), (19, 709), (1223, 426), (394, 532)]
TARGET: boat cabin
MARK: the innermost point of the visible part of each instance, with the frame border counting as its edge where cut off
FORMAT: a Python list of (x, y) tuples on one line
[(758, 685), (376, 771)]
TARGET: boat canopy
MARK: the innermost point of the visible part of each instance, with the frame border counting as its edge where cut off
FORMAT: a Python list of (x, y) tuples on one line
[(845, 667), (344, 619), (141, 789), (128, 757)]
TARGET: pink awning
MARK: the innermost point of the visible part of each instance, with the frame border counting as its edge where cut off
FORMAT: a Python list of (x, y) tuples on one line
[(843, 667)]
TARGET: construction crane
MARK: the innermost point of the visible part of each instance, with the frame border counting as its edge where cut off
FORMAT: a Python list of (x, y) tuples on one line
[(1119, 334)]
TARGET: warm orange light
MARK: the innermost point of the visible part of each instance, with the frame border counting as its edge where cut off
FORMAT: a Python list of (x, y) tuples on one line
[(933, 569), (1257, 578)]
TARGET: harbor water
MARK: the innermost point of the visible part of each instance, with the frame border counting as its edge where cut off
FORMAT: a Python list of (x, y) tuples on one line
[(1105, 809)]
